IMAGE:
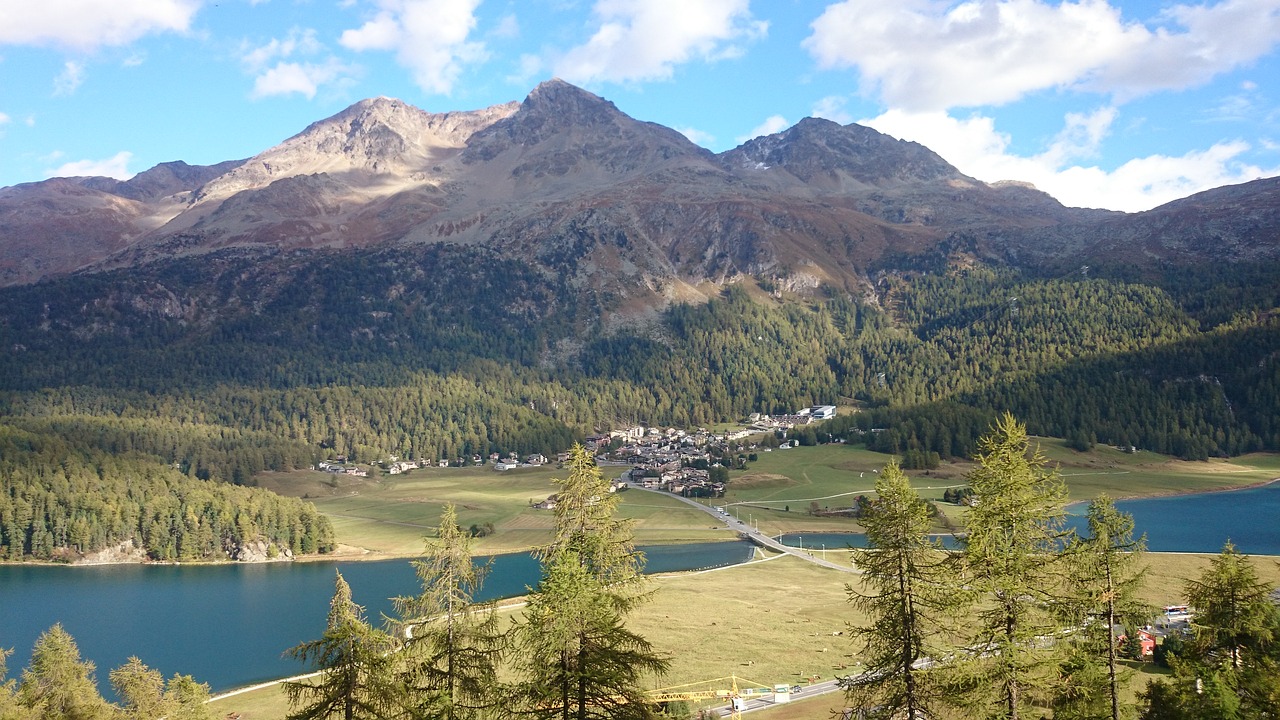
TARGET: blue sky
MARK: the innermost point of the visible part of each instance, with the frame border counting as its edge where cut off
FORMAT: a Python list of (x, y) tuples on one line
[(1119, 104)]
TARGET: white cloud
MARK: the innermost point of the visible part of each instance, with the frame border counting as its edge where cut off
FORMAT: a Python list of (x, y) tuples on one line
[(285, 78), (771, 125), (277, 74), (697, 137), (975, 147), (115, 166), (429, 38), (69, 79), (299, 40), (89, 24), (4, 118), (646, 39), (921, 55)]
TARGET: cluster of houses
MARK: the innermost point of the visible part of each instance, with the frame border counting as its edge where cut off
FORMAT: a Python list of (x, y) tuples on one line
[(763, 423), (341, 468)]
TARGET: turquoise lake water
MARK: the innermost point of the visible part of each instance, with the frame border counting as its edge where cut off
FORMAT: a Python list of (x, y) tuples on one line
[(227, 625), (1199, 523)]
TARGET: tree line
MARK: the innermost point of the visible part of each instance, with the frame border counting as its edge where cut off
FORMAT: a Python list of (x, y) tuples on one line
[(60, 500)]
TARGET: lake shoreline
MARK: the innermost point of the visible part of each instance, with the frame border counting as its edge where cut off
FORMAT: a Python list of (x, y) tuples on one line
[(1182, 493), (355, 554)]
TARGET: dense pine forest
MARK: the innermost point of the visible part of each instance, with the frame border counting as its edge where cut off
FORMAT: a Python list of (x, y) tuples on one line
[(218, 368)]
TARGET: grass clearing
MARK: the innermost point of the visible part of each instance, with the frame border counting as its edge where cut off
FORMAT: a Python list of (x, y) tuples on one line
[(389, 515)]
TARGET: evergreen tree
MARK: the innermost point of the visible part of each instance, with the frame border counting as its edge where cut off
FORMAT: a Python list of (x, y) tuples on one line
[(452, 644), (907, 578), (1234, 616), (9, 707), (1010, 557), (354, 663), (577, 658), (145, 695), (140, 689), (1104, 577), (57, 684)]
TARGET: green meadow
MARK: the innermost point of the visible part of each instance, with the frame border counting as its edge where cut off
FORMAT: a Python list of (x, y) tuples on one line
[(388, 515)]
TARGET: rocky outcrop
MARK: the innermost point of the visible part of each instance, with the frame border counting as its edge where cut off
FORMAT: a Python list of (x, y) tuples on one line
[(259, 551), (125, 552)]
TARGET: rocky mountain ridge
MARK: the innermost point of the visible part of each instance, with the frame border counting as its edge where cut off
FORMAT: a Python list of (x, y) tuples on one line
[(566, 179)]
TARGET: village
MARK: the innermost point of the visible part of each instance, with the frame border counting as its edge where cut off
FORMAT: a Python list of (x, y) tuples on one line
[(688, 463)]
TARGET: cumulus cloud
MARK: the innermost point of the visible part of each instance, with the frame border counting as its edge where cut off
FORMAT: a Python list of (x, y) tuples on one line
[(285, 78), (646, 39), (429, 37), (974, 146), (115, 166), (277, 74), (922, 55), (69, 79), (771, 125), (89, 24)]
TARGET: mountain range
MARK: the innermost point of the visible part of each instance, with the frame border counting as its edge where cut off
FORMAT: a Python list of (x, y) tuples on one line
[(566, 181)]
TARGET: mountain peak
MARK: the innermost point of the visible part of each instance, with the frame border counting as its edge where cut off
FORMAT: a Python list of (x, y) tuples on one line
[(820, 150), (579, 125)]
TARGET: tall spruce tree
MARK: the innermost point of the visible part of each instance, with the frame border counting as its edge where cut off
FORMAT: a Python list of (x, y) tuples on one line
[(1106, 572), (576, 658), (1011, 550), (355, 666), (908, 585), (452, 643)]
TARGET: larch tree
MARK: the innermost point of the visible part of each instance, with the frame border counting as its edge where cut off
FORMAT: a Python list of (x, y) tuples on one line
[(57, 684), (452, 644), (355, 666), (1011, 550), (9, 707), (145, 695), (1105, 574), (576, 659), (1234, 616), (907, 594)]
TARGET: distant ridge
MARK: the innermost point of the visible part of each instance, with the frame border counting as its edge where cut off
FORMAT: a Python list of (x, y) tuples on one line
[(568, 181)]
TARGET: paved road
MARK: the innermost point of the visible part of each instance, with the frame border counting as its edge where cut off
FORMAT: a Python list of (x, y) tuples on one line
[(756, 536)]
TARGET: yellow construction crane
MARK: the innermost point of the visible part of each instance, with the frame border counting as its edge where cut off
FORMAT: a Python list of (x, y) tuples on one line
[(735, 695)]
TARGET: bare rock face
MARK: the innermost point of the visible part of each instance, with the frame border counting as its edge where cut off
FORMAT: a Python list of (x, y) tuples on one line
[(125, 552), (257, 551), (375, 137)]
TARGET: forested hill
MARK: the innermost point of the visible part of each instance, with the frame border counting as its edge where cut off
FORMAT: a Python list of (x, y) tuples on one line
[(447, 351)]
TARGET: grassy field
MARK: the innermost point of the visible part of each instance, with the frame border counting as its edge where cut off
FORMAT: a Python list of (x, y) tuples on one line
[(389, 515)]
